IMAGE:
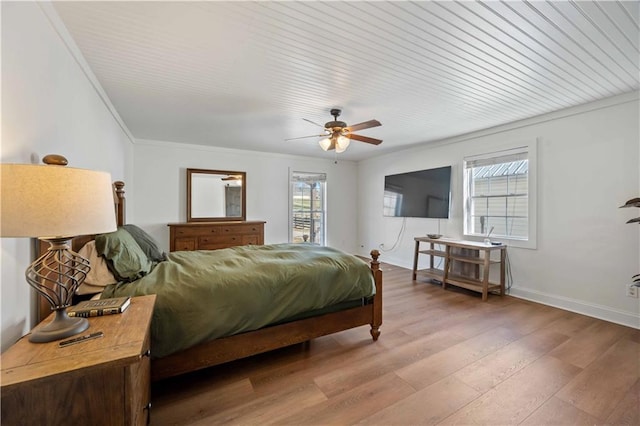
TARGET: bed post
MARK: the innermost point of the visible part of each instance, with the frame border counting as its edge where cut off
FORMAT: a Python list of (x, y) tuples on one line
[(120, 202), (376, 321)]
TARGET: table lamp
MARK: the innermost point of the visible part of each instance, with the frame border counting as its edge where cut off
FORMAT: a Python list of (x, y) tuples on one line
[(56, 203)]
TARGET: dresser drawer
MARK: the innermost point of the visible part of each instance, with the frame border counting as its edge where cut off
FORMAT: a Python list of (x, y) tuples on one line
[(213, 243), (251, 240), (185, 244), (196, 231), (241, 229)]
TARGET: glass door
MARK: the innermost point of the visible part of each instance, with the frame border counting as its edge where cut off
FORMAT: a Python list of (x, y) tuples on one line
[(307, 207)]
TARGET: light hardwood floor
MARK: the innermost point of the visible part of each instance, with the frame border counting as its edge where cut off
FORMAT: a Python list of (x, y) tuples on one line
[(444, 357)]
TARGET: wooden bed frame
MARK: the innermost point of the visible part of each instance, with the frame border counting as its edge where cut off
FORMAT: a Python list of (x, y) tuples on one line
[(242, 345)]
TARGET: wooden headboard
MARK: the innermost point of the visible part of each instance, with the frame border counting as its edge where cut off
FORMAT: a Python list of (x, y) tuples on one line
[(43, 306)]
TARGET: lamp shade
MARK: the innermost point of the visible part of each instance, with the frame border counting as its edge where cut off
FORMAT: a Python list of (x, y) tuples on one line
[(50, 201), (325, 143), (342, 143)]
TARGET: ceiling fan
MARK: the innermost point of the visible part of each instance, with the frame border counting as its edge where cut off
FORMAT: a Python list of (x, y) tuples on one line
[(337, 135)]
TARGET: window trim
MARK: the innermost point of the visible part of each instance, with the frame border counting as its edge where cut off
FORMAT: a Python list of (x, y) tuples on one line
[(531, 148)]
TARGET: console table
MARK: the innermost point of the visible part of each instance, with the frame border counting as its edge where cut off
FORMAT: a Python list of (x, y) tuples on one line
[(467, 264)]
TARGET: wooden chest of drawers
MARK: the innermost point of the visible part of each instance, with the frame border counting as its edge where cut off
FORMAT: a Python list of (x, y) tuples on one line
[(214, 235)]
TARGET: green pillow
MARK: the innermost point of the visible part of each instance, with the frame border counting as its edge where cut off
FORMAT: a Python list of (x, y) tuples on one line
[(124, 256), (146, 243)]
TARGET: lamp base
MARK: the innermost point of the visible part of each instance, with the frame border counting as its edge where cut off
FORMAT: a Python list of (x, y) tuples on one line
[(62, 326)]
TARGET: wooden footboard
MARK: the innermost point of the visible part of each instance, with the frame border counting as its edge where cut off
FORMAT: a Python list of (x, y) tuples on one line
[(254, 342)]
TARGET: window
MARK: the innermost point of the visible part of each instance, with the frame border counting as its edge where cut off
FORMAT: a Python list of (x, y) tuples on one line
[(308, 209), (498, 196)]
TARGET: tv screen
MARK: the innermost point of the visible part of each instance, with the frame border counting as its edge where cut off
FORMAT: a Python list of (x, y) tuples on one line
[(423, 193)]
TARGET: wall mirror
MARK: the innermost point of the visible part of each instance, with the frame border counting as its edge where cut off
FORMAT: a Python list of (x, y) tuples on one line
[(216, 195)]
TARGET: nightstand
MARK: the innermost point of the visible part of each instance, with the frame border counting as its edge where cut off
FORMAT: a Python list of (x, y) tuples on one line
[(104, 381)]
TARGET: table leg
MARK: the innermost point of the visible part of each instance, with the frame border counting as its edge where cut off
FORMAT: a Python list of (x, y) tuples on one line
[(485, 275), (503, 255), (415, 260)]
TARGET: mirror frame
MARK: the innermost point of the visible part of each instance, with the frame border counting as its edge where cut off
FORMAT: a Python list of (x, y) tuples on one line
[(191, 172)]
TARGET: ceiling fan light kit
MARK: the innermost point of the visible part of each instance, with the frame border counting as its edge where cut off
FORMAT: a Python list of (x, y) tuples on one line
[(338, 135), (339, 143)]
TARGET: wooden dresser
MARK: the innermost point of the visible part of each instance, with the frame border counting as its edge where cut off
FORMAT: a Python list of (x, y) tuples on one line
[(214, 235), (104, 381)]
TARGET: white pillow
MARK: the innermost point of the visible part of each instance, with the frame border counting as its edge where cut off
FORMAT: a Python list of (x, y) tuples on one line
[(100, 276)]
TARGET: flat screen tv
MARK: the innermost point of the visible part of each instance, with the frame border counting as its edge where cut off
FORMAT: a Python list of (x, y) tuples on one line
[(423, 193)]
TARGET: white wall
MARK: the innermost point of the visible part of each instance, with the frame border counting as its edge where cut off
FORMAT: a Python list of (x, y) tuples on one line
[(49, 106), (160, 188), (587, 167)]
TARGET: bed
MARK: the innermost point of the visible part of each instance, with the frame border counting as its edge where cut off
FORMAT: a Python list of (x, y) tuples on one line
[(290, 318)]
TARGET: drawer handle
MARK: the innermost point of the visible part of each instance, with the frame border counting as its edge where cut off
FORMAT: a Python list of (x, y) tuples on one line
[(254, 229), (147, 407), (146, 353)]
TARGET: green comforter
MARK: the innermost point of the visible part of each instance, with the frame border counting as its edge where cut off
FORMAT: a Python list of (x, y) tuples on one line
[(203, 295)]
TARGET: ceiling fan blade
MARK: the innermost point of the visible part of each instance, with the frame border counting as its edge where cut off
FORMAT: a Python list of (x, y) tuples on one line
[(365, 125), (304, 137), (313, 122), (366, 139)]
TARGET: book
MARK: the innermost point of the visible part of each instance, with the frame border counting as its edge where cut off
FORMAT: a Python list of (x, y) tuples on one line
[(96, 308)]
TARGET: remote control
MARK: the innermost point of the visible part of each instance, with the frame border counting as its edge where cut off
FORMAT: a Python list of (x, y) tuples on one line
[(81, 339)]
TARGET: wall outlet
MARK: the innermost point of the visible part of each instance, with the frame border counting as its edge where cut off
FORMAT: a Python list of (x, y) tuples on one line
[(632, 290)]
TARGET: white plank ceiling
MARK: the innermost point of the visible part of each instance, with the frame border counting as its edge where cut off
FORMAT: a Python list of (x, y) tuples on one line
[(245, 74)]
